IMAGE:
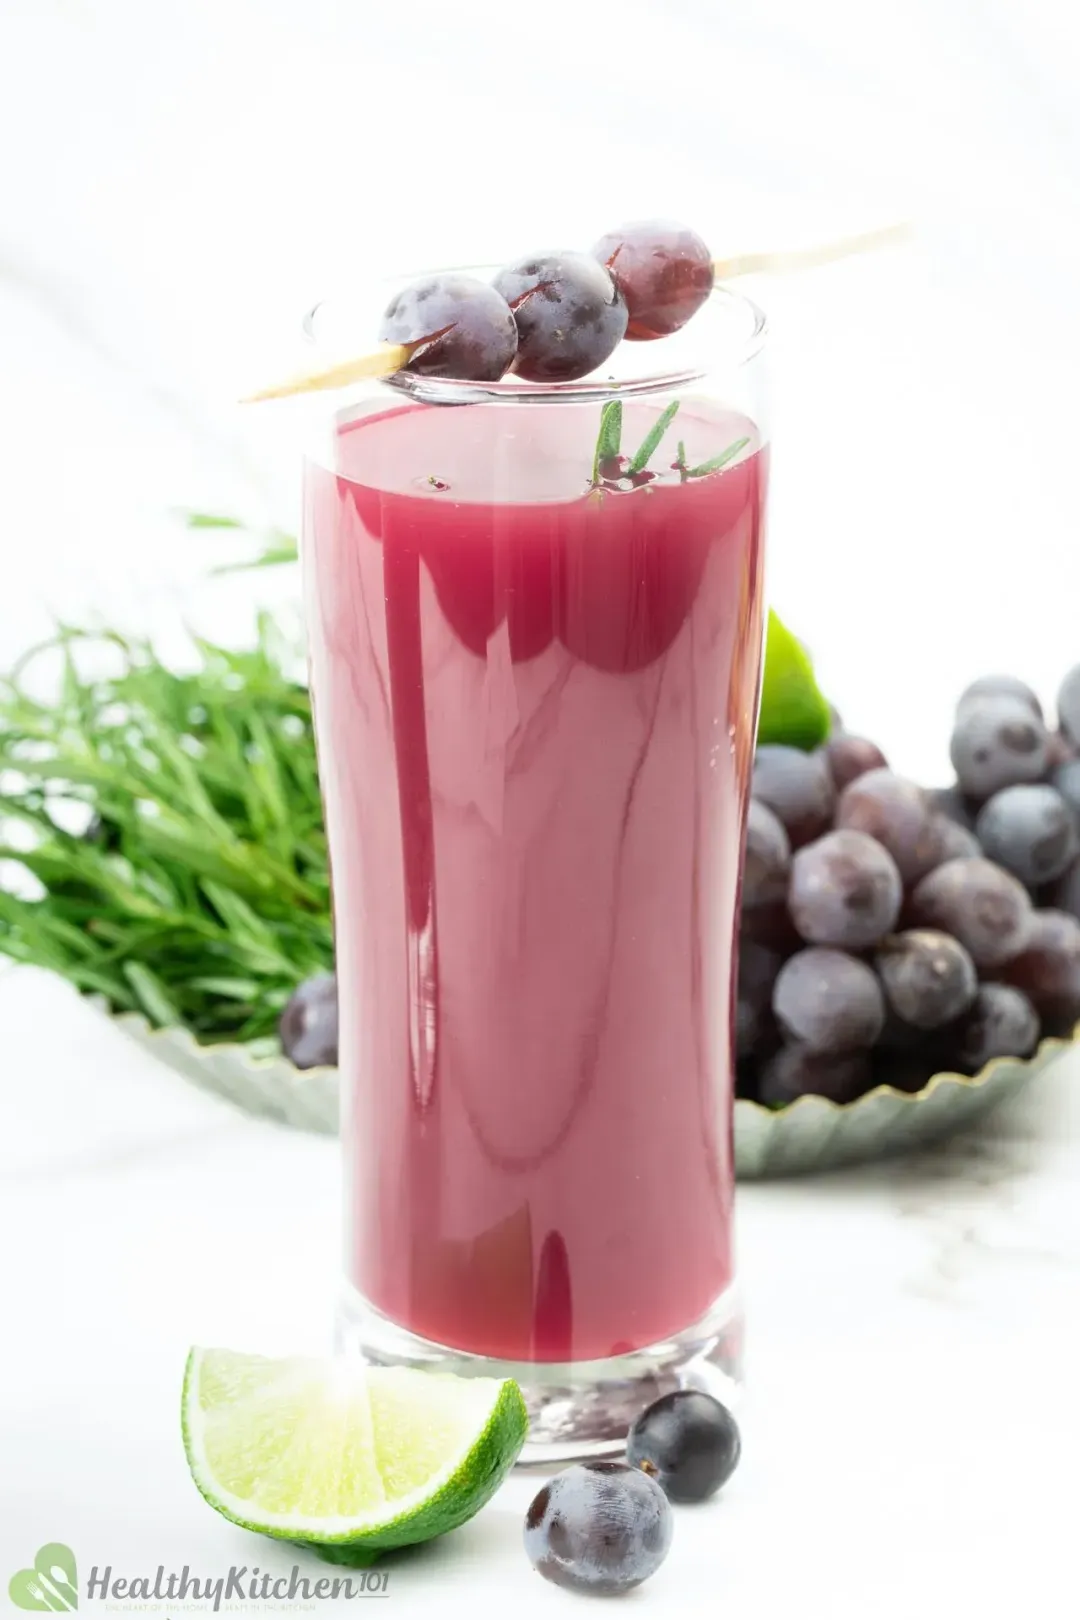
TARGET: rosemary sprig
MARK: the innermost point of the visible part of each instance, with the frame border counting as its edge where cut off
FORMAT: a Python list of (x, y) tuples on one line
[(650, 442), (171, 854), (718, 461), (609, 439), (610, 436)]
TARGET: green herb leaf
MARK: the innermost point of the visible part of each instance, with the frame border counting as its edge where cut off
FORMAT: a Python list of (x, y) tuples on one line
[(199, 893), (718, 461), (640, 461), (609, 438), (210, 520), (272, 557)]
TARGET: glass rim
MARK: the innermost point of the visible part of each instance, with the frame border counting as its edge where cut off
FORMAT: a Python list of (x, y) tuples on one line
[(728, 351)]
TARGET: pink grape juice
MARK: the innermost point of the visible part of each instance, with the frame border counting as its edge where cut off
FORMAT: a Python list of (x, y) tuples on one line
[(535, 703)]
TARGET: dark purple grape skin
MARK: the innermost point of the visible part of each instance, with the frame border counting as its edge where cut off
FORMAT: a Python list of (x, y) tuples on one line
[(956, 842), (951, 803), (1064, 895), (758, 967), (570, 315), (845, 891), (995, 686), (767, 861), (997, 742), (899, 815), (1030, 831), (978, 903), (794, 1071), (1068, 705), (599, 1527), (1066, 779), (1047, 970), (1001, 1022), (772, 926), (798, 789), (309, 1024), (828, 1001), (455, 325), (688, 1442), (664, 272), (851, 757), (927, 976), (1059, 750)]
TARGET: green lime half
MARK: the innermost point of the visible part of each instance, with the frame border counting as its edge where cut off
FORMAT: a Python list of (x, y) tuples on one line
[(346, 1458), (793, 711)]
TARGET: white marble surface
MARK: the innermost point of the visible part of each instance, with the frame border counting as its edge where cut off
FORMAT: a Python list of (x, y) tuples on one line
[(178, 181)]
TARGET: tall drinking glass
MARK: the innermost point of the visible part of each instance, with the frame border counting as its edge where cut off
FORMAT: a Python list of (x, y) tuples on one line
[(535, 672)]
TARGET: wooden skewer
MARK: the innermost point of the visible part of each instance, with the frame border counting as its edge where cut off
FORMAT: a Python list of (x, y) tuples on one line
[(750, 264), (390, 357)]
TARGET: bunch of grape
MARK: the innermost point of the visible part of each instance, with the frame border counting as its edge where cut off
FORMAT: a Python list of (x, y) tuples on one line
[(888, 931)]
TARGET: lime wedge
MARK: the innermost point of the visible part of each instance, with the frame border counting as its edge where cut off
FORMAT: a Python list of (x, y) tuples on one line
[(793, 711), (345, 1458)]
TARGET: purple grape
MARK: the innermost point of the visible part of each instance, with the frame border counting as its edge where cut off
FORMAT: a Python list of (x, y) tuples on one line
[(309, 1023), (1064, 895), (845, 891), (1030, 830), (1001, 1022), (688, 1442), (956, 842), (1059, 750), (570, 315), (1066, 778), (928, 977), (796, 1072), (1047, 970), (899, 815), (997, 742), (456, 326), (767, 861), (898, 1036), (664, 272), (995, 686), (758, 967), (600, 1527), (772, 926), (828, 1001), (951, 803), (851, 757), (1068, 705), (978, 903), (797, 787)]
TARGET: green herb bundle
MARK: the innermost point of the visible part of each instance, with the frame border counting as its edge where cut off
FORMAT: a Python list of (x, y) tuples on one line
[(194, 886)]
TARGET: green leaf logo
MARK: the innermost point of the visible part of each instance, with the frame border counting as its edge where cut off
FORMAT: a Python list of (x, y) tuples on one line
[(52, 1585)]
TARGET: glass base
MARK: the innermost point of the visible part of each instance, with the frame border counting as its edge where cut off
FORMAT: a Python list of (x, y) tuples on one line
[(577, 1409)]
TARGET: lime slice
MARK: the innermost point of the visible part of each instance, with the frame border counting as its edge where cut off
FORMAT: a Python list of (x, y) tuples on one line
[(793, 711), (346, 1458)]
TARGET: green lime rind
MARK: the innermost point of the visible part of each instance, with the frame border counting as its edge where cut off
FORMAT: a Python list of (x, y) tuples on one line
[(793, 710), (284, 1424)]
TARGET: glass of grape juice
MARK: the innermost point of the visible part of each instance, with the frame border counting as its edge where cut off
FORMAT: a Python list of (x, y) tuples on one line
[(535, 674)]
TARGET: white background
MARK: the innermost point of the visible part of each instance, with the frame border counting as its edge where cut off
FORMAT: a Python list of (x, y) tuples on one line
[(178, 180)]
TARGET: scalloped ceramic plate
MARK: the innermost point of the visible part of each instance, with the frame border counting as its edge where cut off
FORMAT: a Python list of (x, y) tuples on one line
[(813, 1134)]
